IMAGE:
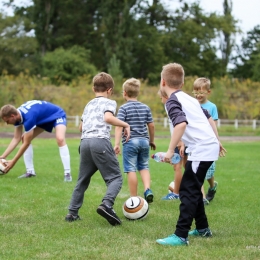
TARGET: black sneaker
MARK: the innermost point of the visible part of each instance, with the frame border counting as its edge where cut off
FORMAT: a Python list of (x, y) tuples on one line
[(71, 217), (211, 192), (109, 214)]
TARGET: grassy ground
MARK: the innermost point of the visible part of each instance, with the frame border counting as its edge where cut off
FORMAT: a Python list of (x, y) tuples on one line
[(32, 212)]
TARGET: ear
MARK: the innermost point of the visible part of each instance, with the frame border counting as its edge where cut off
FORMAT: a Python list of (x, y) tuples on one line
[(163, 83), (93, 89), (182, 85)]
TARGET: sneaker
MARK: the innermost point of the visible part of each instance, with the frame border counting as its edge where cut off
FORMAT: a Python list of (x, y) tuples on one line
[(67, 177), (71, 217), (27, 175), (206, 233), (205, 201), (172, 240), (171, 196), (109, 214), (148, 195), (211, 192)]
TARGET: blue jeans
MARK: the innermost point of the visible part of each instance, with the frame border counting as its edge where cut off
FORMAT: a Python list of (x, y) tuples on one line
[(136, 155)]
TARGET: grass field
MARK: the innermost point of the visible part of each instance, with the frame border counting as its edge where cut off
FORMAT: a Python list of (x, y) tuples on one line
[(32, 212)]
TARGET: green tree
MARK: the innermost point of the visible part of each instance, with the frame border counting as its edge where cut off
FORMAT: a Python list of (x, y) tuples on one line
[(63, 66), (17, 47)]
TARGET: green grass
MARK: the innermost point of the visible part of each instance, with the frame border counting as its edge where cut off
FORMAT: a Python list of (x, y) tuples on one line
[(32, 212)]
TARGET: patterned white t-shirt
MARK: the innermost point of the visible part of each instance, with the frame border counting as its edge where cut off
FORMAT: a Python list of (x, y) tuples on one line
[(93, 124)]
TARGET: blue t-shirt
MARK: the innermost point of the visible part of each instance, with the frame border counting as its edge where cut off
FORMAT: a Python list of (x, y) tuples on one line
[(212, 109), (39, 113)]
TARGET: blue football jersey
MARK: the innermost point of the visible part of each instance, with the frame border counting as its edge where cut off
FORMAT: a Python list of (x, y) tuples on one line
[(39, 113)]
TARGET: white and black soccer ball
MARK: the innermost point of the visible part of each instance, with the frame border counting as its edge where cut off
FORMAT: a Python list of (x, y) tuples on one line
[(2, 166), (171, 187), (135, 208)]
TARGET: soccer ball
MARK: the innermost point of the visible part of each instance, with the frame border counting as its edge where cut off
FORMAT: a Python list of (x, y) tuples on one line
[(171, 187), (2, 166), (135, 208)]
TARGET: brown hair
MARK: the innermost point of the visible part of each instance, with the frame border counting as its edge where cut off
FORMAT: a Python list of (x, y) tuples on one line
[(173, 74), (132, 87), (102, 82), (200, 83), (7, 111)]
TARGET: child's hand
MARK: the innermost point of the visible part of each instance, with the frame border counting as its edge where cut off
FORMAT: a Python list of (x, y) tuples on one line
[(152, 145), (222, 151), (168, 156), (117, 150), (127, 133)]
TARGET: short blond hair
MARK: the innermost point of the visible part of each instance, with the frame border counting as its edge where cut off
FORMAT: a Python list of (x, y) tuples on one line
[(102, 82), (132, 87), (200, 83), (7, 111), (173, 74)]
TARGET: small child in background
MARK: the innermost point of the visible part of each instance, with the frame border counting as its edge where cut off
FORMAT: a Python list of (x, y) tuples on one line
[(201, 90), (178, 166), (136, 150)]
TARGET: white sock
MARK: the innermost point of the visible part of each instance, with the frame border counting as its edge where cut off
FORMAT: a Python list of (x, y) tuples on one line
[(28, 159), (65, 158)]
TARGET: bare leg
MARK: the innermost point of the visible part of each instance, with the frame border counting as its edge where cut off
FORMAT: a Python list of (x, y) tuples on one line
[(132, 183)]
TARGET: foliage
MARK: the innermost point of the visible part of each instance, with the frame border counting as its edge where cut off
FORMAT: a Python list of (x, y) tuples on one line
[(65, 65), (235, 99), (18, 49), (143, 35)]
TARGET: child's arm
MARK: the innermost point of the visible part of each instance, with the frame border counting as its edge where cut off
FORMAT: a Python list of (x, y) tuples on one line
[(222, 150), (118, 133), (151, 135), (112, 120), (80, 127), (175, 138)]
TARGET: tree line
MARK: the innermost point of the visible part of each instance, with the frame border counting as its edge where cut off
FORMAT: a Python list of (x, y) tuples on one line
[(65, 39)]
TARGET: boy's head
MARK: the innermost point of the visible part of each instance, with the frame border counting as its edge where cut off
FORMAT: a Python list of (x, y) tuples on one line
[(132, 87), (173, 75), (163, 96), (201, 89), (103, 82)]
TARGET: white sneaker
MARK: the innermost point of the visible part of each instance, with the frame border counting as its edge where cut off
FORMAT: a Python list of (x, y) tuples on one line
[(67, 177)]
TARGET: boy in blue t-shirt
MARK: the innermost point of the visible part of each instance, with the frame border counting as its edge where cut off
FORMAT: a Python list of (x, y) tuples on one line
[(201, 90), (35, 116)]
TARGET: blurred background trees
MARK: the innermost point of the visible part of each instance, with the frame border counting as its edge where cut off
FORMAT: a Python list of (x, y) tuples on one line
[(63, 41)]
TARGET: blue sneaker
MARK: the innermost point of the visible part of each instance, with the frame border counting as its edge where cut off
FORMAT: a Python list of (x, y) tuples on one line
[(171, 196), (148, 195), (172, 240), (205, 233)]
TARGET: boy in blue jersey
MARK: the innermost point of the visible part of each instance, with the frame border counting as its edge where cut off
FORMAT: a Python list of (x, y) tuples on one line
[(136, 150), (35, 116), (195, 127), (201, 90), (96, 151)]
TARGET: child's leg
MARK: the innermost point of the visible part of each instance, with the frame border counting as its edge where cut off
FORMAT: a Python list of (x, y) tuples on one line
[(211, 182), (177, 177), (132, 183), (145, 175)]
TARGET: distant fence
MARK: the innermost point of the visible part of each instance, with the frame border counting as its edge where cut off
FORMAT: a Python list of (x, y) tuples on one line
[(163, 121)]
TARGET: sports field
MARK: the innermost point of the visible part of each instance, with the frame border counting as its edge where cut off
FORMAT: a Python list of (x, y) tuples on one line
[(32, 214)]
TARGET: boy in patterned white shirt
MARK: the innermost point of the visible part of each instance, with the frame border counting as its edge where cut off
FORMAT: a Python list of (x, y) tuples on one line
[(96, 151)]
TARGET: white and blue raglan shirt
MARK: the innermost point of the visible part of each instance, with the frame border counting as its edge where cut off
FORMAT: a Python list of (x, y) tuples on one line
[(211, 108), (199, 136), (39, 113), (137, 115), (93, 124)]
